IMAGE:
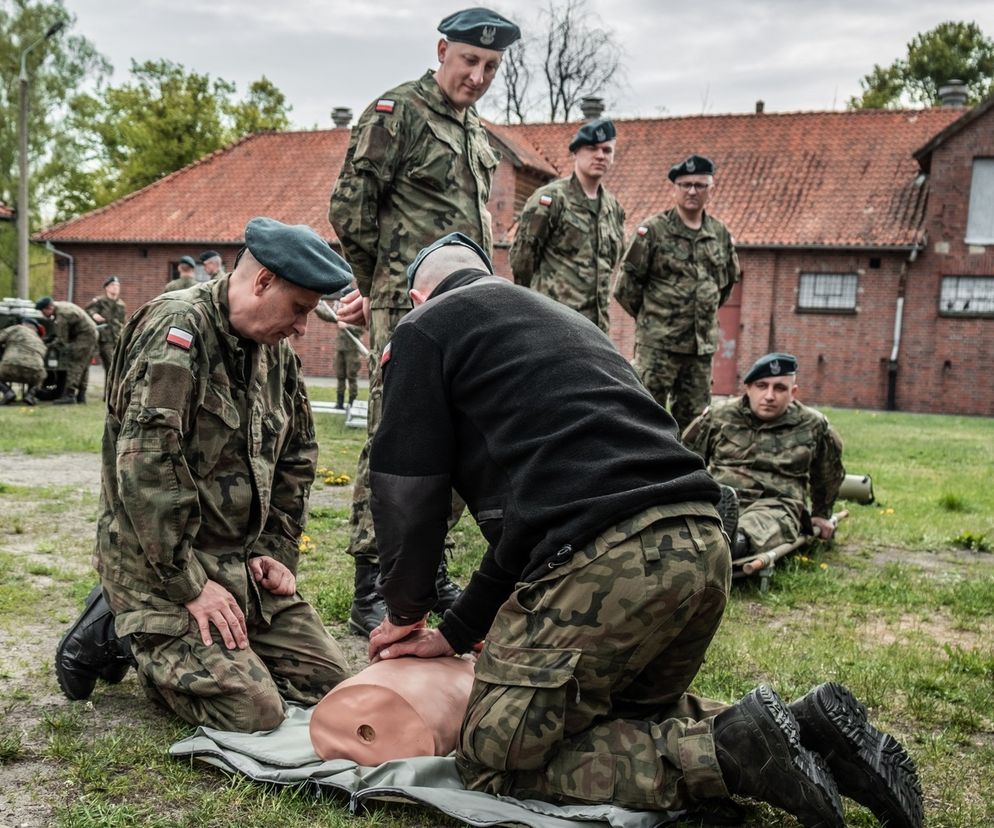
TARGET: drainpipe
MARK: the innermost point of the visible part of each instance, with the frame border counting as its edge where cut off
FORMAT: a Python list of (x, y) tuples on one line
[(891, 404), (71, 287)]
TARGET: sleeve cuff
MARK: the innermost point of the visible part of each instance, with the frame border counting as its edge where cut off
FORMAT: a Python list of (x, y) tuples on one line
[(187, 585)]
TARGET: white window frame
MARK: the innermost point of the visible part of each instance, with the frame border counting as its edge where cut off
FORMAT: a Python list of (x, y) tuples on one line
[(817, 292), (980, 219), (966, 296)]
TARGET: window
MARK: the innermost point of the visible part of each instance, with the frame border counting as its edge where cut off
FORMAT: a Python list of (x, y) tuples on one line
[(967, 296), (980, 224), (828, 292)]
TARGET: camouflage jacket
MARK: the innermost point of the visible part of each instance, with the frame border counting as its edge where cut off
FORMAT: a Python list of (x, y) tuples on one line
[(22, 348), (208, 458), (179, 283), (567, 246), (73, 324), (793, 456), (113, 312), (674, 279), (415, 170)]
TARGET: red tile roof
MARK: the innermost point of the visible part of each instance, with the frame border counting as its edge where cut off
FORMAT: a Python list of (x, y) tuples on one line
[(808, 178)]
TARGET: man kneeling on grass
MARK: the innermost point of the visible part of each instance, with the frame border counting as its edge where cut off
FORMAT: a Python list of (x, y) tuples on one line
[(208, 458), (606, 575)]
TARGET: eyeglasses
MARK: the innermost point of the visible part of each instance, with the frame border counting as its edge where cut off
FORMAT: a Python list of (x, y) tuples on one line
[(691, 186)]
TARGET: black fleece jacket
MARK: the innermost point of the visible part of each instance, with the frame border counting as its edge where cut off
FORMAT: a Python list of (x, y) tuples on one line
[(531, 414)]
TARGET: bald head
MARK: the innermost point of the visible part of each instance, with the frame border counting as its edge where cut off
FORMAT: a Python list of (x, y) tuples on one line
[(440, 264)]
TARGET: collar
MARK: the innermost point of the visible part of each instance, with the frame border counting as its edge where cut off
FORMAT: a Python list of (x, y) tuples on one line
[(460, 278), (432, 94), (678, 228)]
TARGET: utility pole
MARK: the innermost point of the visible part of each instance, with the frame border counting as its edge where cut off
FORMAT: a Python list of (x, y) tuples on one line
[(23, 209)]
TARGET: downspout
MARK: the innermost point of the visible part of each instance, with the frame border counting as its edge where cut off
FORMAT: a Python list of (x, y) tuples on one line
[(71, 287), (891, 403)]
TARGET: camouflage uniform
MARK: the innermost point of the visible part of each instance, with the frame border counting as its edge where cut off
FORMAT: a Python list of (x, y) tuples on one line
[(114, 313), (567, 246), (208, 458), (673, 280), (415, 170), (772, 466), (23, 357), (347, 363), (179, 283), (77, 334)]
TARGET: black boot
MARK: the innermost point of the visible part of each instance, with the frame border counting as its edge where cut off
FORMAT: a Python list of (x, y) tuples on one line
[(728, 511), (81, 397), (869, 767), (7, 394), (758, 745), (67, 398), (368, 608), (91, 650), (740, 545), (341, 397), (447, 591), (30, 397)]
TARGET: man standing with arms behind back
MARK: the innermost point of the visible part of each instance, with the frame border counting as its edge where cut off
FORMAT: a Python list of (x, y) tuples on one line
[(109, 312), (419, 165), (679, 269)]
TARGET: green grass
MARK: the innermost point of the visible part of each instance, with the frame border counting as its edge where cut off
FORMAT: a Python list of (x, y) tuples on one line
[(900, 608)]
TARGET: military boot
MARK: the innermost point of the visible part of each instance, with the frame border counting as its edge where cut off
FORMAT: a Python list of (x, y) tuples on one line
[(740, 545), (81, 397), (758, 746), (447, 591), (68, 398), (869, 767), (30, 397), (341, 398), (368, 608), (728, 511), (7, 394), (91, 650)]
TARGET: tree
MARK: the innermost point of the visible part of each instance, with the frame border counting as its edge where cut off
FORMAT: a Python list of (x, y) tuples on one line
[(264, 110), (950, 51)]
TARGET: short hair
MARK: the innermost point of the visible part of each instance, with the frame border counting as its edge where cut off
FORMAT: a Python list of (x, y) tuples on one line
[(442, 263)]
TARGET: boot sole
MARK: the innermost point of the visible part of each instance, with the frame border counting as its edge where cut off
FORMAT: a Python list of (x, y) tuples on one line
[(60, 677), (869, 767)]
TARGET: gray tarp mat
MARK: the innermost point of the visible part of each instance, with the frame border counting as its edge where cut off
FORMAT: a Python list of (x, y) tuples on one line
[(285, 757)]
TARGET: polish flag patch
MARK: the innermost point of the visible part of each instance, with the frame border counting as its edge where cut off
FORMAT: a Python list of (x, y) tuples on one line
[(642, 231), (179, 338), (545, 200), (384, 105), (385, 356)]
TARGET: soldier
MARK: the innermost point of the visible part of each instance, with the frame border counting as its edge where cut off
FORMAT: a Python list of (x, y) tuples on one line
[(75, 332), (346, 355), (418, 163), (187, 270), (773, 451), (605, 579), (211, 262), (208, 457), (680, 267), (572, 231), (109, 312), (23, 360)]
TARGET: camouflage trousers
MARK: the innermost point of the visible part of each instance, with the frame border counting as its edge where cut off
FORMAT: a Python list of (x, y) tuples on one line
[(80, 353), (770, 522), (580, 690), (680, 382), (347, 370), (362, 538), (32, 377), (107, 353), (293, 658)]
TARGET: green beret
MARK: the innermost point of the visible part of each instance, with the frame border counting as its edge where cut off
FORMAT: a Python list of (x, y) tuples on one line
[(43, 303), (592, 134), (695, 165), (452, 238), (187, 260), (296, 253), (208, 254), (110, 280), (480, 27), (771, 365)]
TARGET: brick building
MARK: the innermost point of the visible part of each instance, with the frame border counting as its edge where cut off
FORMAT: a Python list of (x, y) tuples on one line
[(866, 238)]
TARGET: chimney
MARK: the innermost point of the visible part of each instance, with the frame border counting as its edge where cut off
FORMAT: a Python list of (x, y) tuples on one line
[(341, 116), (953, 94), (760, 107), (592, 107)]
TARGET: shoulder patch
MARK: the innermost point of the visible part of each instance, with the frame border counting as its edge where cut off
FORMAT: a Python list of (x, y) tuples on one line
[(642, 230), (545, 200), (385, 356), (384, 105), (180, 338)]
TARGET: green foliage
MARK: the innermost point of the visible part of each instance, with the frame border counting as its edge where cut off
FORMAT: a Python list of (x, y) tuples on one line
[(264, 109), (972, 540), (952, 502), (951, 51)]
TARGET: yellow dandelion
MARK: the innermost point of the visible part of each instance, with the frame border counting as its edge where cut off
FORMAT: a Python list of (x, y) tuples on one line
[(824, 566), (888, 511)]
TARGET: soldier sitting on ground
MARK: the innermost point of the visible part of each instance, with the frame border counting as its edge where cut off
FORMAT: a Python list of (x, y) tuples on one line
[(774, 452), (75, 332), (23, 360)]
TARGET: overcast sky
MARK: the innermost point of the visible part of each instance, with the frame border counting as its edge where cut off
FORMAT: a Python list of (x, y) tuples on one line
[(680, 58)]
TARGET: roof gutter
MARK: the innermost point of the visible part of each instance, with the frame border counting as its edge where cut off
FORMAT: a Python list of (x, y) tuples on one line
[(889, 248)]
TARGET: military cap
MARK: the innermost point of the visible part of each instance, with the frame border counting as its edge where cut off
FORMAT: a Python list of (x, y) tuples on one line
[(295, 252), (695, 165), (593, 133), (480, 27), (111, 280), (452, 238), (187, 260), (772, 365), (43, 303), (208, 254)]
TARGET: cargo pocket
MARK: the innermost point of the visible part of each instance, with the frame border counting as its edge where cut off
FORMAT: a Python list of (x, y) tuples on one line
[(516, 714)]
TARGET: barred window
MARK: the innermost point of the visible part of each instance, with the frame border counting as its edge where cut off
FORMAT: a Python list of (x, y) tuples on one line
[(827, 291), (980, 224), (967, 295)]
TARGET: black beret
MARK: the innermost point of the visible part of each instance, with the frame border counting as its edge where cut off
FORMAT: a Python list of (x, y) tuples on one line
[(110, 280), (187, 260), (593, 133), (695, 165), (480, 27), (43, 303), (208, 254), (452, 238), (295, 252), (771, 365)]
